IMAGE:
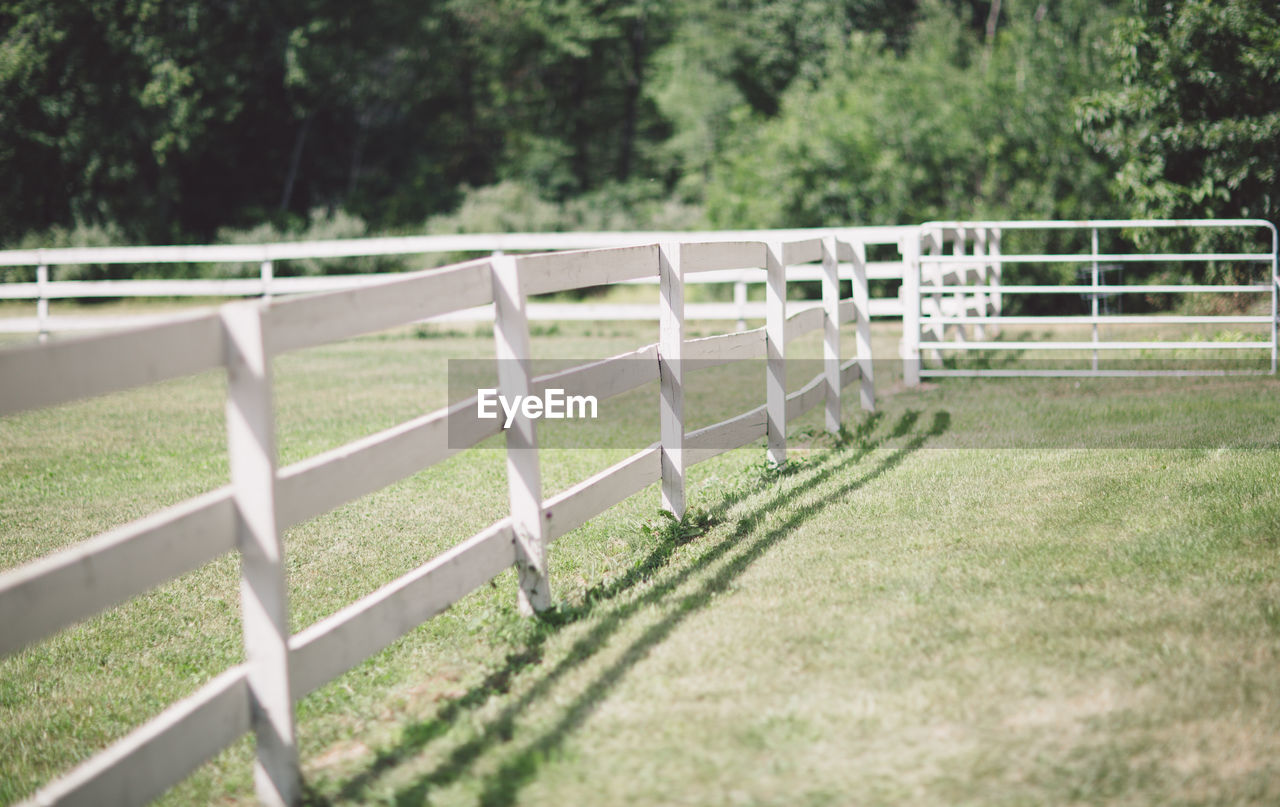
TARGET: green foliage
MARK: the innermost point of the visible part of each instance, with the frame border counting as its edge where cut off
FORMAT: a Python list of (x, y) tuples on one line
[(322, 225), (1192, 116), (933, 133), (668, 530), (183, 121)]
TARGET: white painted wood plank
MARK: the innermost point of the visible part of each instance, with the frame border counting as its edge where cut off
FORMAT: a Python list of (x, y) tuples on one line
[(862, 339), (328, 480), (776, 347), (885, 307), (524, 475), (807, 251), (705, 257), (670, 376), (339, 642), (45, 375), (162, 752), (62, 588), (710, 351), (726, 435), (909, 297), (988, 345), (848, 311), (316, 319), (410, 245), (831, 334), (251, 447), (806, 398), (576, 506), (804, 320), (559, 271), (850, 371), (605, 378)]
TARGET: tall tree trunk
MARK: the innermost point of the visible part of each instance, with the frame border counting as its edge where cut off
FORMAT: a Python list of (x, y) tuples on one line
[(294, 160), (993, 19), (635, 79), (357, 155)]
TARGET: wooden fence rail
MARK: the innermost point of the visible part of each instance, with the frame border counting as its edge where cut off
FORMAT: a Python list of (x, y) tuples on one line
[(262, 500), (268, 257)]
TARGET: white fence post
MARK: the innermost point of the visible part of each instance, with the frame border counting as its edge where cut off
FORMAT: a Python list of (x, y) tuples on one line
[(831, 330), (42, 303), (862, 342), (671, 377), (960, 246), (984, 274), (263, 589), (909, 347), (740, 303), (775, 330), (933, 303), (997, 277), (524, 475), (268, 274)]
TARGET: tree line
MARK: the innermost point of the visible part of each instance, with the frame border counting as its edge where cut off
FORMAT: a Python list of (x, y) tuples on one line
[(152, 121)]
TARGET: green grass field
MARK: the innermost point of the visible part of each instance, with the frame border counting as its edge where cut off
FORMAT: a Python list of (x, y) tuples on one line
[(997, 592)]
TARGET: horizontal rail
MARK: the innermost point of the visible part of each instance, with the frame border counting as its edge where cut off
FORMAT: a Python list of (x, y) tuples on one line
[(706, 257), (850, 372), (1102, 319), (1033, 373), (807, 397), (712, 441), (604, 378), (1191, 257), (804, 321), (339, 642), (561, 271), (710, 351), (807, 251), (415, 245), (576, 506), (1099, 345), (1101, 224), (320, 483), (311, 284), (401, 299), (160, 753), (45, 375), (1090, 290), (72, 584)]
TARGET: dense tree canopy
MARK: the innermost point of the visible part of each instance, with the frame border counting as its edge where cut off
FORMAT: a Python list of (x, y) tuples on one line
[(1192, 112), (179, 120)]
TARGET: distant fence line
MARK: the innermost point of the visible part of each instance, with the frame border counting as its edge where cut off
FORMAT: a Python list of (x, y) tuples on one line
[(46, 595), (267, 256)]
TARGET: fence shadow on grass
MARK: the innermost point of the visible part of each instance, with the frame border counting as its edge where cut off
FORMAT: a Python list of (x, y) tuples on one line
[(742, 548)]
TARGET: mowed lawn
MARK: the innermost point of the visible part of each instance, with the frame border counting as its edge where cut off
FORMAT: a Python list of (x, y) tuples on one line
[(992, 592)]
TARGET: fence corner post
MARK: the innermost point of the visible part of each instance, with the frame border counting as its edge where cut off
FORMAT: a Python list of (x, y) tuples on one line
[(263, 589), (671, 377), (862, 340), (909, 347), (524, 475), (775, 330), (831, 331)]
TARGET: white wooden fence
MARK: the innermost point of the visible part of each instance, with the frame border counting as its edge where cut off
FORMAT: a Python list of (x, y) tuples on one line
[(262, 499), (268, 257)]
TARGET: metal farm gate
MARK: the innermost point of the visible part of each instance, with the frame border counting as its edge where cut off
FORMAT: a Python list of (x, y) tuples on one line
[(954, 292)]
